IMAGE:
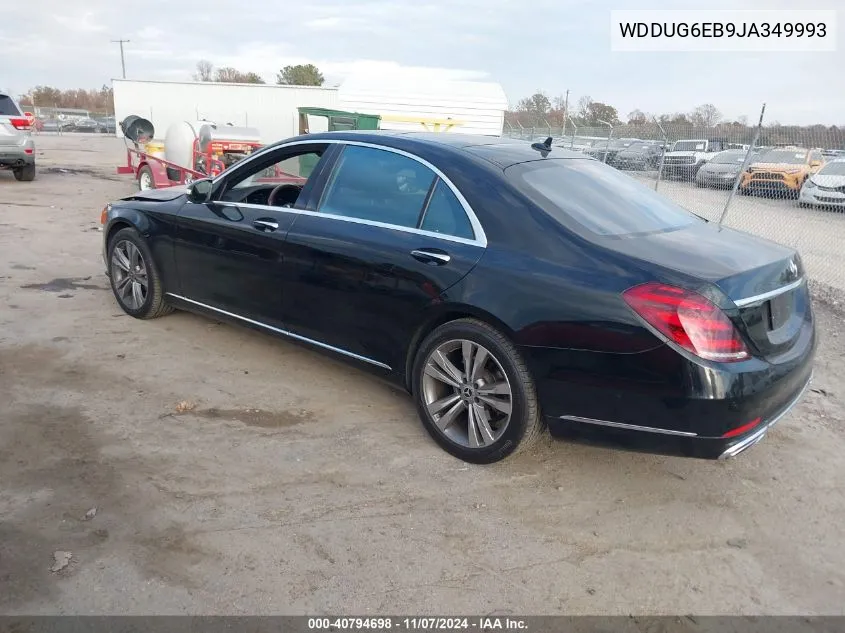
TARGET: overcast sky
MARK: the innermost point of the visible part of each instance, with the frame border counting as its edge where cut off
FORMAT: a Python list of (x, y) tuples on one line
[(543, 44)]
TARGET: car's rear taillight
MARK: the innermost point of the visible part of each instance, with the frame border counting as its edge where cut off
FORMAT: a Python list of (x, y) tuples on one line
[(689, 320), (20, 123)]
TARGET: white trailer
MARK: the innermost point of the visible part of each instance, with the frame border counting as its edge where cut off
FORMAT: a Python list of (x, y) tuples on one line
[(270, 109), (402, 100)]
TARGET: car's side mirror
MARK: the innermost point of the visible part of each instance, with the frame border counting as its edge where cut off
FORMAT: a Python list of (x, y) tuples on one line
[(200, 190), (815, 163)]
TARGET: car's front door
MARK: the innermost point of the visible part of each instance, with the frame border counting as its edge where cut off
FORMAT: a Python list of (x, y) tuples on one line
[(230, 251), (387, 237)]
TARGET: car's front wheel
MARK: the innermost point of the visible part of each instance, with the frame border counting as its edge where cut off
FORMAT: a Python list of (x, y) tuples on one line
[(474, 393), (135, 280)]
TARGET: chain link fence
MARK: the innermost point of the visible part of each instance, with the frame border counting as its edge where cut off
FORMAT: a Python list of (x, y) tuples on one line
[(783, 183)]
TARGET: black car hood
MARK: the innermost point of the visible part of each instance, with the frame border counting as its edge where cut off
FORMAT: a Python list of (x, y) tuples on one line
[(157, 195)]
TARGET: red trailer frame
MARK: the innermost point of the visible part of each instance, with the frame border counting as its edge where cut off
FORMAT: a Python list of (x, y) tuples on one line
[(137, 159), (165, 173)]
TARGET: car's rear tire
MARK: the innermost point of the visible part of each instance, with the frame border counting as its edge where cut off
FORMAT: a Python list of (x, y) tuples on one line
[(25, 173), (145, 179), (481, 413), (135, 280)]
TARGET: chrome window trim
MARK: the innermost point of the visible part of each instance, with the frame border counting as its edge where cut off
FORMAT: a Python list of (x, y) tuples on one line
[(297, 337), (741, 303), (332, 216), (478, 230), (622, 425)]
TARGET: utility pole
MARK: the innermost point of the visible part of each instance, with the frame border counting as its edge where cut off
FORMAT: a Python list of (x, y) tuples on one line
[(565, 113), (122, 60)]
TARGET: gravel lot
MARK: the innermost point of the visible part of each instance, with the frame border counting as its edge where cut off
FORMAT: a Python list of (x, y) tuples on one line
[(299, 485)]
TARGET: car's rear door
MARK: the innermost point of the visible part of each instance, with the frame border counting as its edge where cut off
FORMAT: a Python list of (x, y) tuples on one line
[(386, 237), (230, 251)]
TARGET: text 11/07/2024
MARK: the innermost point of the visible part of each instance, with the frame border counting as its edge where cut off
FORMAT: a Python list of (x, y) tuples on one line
[(481, 624)]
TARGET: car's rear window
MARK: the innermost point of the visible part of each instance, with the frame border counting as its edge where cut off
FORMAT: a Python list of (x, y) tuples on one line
[(597, 197), (8, 107)]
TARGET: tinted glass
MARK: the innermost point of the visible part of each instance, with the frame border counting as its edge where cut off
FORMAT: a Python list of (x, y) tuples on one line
[(445, 214), (689, 146), (598, 197), (8, 107), (834, 169), (377, 185), (785, 156), (730, 156)]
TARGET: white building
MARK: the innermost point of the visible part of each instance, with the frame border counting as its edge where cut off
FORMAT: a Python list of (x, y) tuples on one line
[(476, 107)]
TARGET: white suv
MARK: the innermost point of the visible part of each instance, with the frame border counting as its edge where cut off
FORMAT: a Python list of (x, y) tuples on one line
[(688, 155), (17, 148)]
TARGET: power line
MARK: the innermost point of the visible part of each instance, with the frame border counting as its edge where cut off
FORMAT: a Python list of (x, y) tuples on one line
[(122, 59)]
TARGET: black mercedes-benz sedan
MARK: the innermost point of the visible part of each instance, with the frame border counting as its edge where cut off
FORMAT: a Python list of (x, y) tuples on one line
[(508, 286)]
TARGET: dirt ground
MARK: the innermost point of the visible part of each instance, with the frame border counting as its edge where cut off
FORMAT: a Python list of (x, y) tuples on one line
[(300, 485)]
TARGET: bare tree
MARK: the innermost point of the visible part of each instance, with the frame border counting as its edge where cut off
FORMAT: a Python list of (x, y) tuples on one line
[(584, 106), (705, 115), (205, 71)]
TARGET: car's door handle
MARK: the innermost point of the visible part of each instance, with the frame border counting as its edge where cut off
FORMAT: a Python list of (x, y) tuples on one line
[(265, 225), (431, 256)]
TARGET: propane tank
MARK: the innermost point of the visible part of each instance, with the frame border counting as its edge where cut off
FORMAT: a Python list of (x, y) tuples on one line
[(179, 142)]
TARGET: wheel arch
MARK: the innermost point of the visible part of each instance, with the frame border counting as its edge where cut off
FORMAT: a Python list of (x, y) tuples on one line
[(126, 218), (446, 314)]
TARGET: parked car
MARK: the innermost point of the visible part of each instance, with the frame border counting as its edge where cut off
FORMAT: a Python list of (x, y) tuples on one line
[(606, 151), (688, 156), (781, 171), (487, 277), (639, 156), (85, 125), (723, 169), (106, 125), (826, 188), (17, 147)]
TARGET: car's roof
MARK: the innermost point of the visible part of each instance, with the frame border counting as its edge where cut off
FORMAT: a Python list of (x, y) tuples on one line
[(501, 151)]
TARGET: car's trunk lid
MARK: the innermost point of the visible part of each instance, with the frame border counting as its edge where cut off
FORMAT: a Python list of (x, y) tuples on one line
[(767, 297)]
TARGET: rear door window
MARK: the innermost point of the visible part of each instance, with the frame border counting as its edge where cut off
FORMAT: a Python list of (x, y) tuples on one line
[(8, 107), (590, 195), (445, 214)]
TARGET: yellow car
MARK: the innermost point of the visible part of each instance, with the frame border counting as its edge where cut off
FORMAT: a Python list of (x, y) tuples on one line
[(782, 171)]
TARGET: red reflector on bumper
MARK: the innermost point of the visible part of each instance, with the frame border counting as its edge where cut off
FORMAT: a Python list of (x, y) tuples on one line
[(742, 429)]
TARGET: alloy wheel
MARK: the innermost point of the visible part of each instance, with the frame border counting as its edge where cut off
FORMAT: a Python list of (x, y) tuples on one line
[(129, 275), (467, 393), (145, 181)]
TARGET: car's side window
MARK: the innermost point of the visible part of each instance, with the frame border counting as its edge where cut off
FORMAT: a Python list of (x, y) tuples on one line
[(445, 214), (254, 184), (377, 185)]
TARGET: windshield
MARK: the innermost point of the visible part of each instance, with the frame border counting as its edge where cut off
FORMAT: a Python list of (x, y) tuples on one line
[(836, 168), (784, 156), (598, 197), (689, 146), (730, 156)]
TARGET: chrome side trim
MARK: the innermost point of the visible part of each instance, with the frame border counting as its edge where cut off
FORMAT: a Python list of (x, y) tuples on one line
[(284, 332), (735, 449), (630, 427), (741, 303), (480, 235), (343, 218)]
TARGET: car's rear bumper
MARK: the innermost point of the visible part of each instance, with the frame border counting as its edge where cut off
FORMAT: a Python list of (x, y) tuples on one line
[(658, 401), (18, 155)]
